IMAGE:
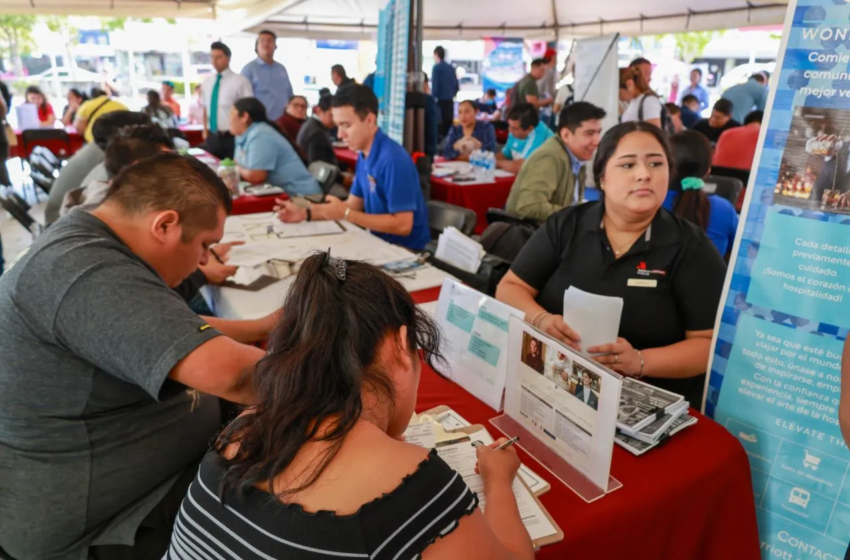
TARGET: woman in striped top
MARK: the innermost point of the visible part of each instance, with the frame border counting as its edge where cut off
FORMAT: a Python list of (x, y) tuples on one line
[(317, 469)]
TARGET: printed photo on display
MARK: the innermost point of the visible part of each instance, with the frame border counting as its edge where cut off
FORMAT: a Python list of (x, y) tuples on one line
[(559, 369), (586, 386), (533, 352), (815, 168)]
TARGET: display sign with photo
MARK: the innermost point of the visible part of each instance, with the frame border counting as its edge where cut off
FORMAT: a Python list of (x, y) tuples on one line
[(568, 401)]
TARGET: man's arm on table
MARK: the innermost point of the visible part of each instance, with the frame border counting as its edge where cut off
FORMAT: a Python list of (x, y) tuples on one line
[(220, 367)]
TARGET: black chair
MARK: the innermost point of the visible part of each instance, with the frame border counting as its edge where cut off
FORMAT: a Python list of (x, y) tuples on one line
[(742, 174), (42, 171), (21, 216), (442, 215), (54, 138), (496, 215), (724, 187)]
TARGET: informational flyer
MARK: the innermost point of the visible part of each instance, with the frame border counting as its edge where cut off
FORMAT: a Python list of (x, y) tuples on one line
[(569, 401), (475, 336), (775, 373)]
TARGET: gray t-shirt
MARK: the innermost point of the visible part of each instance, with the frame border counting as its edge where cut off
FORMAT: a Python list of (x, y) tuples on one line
[(92, 432), (71, 177)]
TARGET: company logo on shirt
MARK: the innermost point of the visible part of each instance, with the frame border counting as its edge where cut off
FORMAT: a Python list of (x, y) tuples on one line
[(203, 328), (373, 185), (642, 270)]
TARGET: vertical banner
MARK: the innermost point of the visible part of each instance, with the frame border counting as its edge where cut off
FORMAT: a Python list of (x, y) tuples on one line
[(502, 66), (391, 73), (775, 371), (597, 77)]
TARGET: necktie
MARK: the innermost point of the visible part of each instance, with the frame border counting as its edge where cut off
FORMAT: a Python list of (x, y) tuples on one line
[(214, 105)]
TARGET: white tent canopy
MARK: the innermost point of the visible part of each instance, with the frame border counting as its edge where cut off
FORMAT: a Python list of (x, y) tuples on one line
[(444, 19), (472, 19)]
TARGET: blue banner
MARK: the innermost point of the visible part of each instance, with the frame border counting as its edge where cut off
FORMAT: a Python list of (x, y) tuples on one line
[(776, 369), (502, 66), (391, 74)]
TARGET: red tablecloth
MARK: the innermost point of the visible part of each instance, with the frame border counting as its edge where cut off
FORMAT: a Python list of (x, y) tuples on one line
[(691, 499), (475, 197), (193, 133), (250, 204), (346, 157)]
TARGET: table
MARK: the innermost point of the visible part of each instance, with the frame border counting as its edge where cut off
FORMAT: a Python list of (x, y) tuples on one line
[(480, 197), (691, 499), (193, 132), (346, 157), (354, 243)]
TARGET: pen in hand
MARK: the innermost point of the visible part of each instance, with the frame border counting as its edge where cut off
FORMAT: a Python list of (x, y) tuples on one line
[(215, 255), (511, 441)]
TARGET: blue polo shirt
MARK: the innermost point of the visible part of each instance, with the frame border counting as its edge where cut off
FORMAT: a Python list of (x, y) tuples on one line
[(388, 183), (271, 85), (522, 149), (699, 92), (263, 147), (722, 220)]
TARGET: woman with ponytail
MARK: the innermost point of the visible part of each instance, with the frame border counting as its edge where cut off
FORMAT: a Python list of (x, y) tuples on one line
[(318, 467), (686, 198), (264, 154)]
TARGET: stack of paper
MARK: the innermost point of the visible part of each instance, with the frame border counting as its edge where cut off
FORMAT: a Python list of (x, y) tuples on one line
[(595, 318), (458, 250), (649, 415)]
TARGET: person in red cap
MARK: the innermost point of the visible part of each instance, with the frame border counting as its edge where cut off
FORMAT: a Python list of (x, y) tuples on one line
[(547, 84)]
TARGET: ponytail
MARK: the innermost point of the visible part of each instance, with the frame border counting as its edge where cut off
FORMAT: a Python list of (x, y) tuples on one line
[(322, 356), (692, 155)]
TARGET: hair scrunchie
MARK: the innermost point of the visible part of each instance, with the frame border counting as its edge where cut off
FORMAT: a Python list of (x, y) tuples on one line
[(692, 183)]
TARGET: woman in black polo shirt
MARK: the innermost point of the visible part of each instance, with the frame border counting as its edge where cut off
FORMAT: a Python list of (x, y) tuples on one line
[(667, 271)]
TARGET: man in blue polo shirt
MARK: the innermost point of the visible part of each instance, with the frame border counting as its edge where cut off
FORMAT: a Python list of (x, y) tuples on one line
[(386, 197)]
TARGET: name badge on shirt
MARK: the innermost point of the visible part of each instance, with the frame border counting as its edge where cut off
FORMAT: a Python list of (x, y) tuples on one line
[(372, 184), (642, 283)]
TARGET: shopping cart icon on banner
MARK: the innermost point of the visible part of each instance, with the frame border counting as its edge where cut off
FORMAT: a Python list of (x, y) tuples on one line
[(810, 461)]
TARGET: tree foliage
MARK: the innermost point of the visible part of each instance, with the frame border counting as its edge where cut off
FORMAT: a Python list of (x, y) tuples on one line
[(691, 44)]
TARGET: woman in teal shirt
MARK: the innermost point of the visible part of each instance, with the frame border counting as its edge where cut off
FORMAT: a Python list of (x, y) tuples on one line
[(264, 155)]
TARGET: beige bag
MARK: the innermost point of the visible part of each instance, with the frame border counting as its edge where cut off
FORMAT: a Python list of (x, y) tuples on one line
[(11, 137)]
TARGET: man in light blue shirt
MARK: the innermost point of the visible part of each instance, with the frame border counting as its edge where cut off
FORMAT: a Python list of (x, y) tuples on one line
[(264, 155), (746, 97), (696, 90), (527, 133), (269, 78)]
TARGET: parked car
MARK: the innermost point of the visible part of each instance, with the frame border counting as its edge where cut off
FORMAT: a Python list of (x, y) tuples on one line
[(57, 81)]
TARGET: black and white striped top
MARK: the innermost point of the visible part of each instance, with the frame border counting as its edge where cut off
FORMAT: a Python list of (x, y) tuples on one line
[(397, 526)]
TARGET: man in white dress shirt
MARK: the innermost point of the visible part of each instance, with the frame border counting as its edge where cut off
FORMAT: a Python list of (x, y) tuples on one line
[(219, 92)]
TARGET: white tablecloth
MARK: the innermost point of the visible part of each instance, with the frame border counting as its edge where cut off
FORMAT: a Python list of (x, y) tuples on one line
[(353, 244)]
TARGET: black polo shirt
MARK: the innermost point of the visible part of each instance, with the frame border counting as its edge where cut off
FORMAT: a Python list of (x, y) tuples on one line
[(670, 280)]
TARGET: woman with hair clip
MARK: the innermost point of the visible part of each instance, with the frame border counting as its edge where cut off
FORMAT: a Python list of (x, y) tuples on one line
[(645, 105), (264, 154), (686, 198), (318, 469)]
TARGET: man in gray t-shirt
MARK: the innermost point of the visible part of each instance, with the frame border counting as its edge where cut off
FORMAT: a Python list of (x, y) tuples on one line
[(71, 177), (96, 423)]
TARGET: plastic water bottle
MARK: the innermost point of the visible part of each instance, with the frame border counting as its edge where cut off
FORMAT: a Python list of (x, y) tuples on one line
[(491, 166), (475, 160)]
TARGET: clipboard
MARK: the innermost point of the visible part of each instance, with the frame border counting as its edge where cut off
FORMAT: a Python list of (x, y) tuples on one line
[(551, 539), (439, 410)]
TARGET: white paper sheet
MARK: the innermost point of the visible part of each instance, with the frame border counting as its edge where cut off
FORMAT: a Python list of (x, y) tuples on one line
[(421, 434), (595, 318), (459, 250), (430, 308), (306, 229), (251, 255), (475, 329), (462, 458)]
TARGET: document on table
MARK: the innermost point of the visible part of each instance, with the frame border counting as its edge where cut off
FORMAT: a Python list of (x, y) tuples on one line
[(251, 255), (451, 420), (595, 318), (462, 458), (422, 435), (476, 336), (306, 229), (459, 250)]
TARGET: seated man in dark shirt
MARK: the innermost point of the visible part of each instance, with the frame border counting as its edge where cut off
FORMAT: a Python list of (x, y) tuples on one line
[(314, 138), (690, 111), (719, 122), (95, 451)]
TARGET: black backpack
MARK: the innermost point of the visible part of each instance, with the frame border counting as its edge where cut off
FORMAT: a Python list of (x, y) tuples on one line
[(666, 122)]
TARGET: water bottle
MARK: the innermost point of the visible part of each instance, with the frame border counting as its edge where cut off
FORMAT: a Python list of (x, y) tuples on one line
[(475, 160), (491, 166)]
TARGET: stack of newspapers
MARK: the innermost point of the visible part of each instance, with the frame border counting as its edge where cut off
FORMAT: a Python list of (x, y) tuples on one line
[(648, 416)]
